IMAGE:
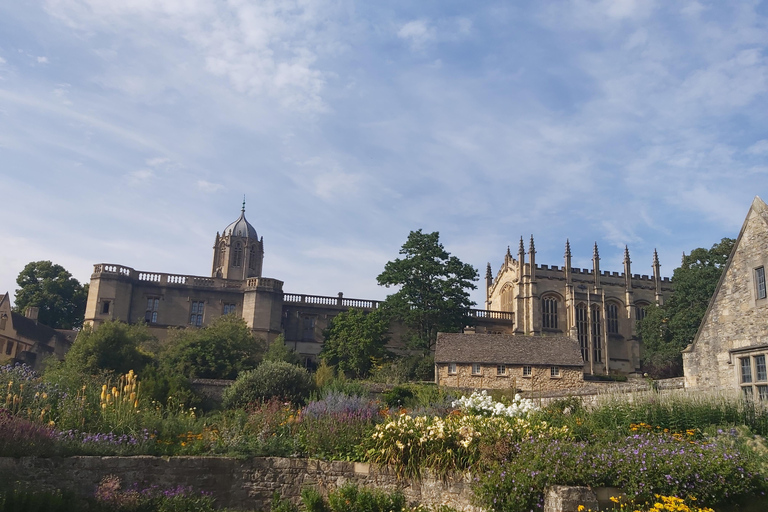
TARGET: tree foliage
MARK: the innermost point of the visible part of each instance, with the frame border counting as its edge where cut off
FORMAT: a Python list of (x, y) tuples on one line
[(271, 379), (279, 351), (51, 288), (220, 350), (111, 347), (433, 294), (354, 340), (668, 329)]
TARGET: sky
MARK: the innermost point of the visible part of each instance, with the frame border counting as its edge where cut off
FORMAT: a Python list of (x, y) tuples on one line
[(130, 131)]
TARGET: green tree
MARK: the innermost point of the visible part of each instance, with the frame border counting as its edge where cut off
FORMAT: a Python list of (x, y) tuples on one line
[(114, 347), (279, 351), (433, 294), (668, 329), (60, 297), (219, 351), (353, 340)]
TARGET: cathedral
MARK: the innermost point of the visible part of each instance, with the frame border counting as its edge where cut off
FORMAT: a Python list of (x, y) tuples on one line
[(600, 309)]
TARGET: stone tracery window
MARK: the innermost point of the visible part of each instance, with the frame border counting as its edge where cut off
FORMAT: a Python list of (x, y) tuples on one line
[(597, 346), (582, 330), (549, 312), (506, 298), (252, 258), (237, 255), (222, 254), (612, 318)]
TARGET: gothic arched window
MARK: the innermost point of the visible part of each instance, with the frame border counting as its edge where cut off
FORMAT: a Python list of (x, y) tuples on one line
[(582, 330), (237, 255), (222, 254), (612, 318), (252, 258), (549, 313), (597, 346), (506, 298)]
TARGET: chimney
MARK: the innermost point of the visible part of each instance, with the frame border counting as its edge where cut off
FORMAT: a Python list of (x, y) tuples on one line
[(32, 313)]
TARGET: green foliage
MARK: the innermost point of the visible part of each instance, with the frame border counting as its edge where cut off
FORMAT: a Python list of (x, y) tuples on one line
[(271, 379), (279, 351), (433, 289), (50, 287), (313, 501), (398, 396), (280, 505), (324, 375), (668, 329), (351, 498), (415, 367), (220, 350), (353, 340), (111, 347)]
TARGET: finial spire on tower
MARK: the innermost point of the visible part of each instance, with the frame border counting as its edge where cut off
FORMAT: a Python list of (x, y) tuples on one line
[(626, 254), (532, 248), (243, 210), (488, 273), (567, 248)]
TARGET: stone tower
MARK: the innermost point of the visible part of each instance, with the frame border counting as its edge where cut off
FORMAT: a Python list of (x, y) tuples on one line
[(238, 252)]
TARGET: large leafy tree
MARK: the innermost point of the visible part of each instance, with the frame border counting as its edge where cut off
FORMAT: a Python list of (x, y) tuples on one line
[(668, 329), (218, 351), (112, 347), (354, 340), (51, 288), (433, 294)]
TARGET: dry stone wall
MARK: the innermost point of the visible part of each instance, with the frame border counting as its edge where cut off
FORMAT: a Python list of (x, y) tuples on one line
[(240, 484)]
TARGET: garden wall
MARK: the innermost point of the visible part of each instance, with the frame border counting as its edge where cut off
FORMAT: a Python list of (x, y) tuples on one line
[(246, 484)]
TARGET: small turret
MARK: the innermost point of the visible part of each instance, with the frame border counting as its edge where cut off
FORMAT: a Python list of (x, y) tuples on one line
[(657, 277), (521, 256), (627, 268), (532, 258), (596, 266), (567, 261)]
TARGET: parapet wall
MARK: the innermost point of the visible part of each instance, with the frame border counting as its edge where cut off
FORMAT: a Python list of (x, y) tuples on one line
[(239, 484)]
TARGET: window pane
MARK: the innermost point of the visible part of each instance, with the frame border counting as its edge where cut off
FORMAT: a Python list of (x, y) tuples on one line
[(762, 374), (762, 393), (582, 331), (746, 370), (501, 369), (760, 282), (747, 390)]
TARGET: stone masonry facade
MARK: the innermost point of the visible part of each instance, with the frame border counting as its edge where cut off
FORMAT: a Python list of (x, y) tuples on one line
[(540, 378), (730, 350)]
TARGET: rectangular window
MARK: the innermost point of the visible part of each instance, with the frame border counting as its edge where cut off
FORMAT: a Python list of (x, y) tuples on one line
[(526, 371), (760, 369), (762, 393), (105, 307), (746, 370), (196, 313), (554, 371), (760, 282), (229, 308), (150, 316), (747, 390), (9, 348), (501, 369), (476, 369), (451, 367)]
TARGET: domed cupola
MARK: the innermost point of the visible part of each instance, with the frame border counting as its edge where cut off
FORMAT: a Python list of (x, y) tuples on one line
[(241, 227), (238, 253)]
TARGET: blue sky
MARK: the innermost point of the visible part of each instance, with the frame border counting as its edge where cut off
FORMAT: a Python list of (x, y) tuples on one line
[(130, 131)]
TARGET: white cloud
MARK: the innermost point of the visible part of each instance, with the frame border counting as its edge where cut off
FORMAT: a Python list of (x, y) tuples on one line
[(418, 33), (758, 148), (139, 177), (265, 48), (42, 60), (2, 60), (207, 186)]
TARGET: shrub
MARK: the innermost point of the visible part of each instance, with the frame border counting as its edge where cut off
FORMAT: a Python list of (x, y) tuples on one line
[(351, 498), (398, 396), (20, 437), (271, 379)]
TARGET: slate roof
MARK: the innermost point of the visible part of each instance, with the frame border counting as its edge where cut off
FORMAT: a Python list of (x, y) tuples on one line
[(507, 349), (35, 331)]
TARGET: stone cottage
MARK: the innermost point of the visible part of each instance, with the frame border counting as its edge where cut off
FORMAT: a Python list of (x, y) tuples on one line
[(508, 361), (730, 348)]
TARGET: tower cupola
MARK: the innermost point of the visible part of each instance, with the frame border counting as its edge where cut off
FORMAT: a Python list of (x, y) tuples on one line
[(238, 253)]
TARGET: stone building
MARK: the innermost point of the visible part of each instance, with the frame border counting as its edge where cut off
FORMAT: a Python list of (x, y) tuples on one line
[(23, 339), (237, 286), (598, 308), (508, 361), (730, 348)]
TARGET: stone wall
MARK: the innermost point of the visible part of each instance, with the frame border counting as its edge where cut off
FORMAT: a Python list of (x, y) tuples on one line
[(735, 325), (240, 484), (540, 379)]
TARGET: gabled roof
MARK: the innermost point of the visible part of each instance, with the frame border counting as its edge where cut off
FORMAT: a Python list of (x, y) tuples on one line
[(761, 209), (507, 349)]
